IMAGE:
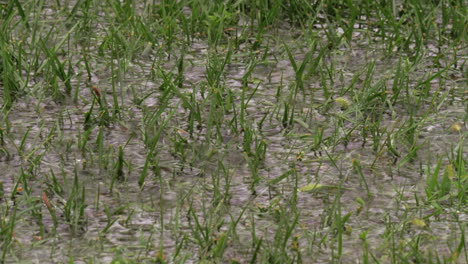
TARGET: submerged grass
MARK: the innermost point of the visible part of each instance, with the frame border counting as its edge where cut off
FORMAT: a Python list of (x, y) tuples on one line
[(239, 131)]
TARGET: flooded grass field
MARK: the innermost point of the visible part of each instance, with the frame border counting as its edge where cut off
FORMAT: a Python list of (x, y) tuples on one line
[(265, 131)]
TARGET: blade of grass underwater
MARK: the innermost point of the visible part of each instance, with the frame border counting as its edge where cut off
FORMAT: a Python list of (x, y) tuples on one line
[(357, 166), (281, 177), (410, 156), (317, 187)]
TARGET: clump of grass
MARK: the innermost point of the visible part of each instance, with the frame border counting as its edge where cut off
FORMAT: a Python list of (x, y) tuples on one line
[(251, 128)]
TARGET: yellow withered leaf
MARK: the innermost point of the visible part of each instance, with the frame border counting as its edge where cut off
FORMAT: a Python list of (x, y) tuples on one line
[(311, 187), (456, 127), (316, 187), (343, 102), (418, 222)]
